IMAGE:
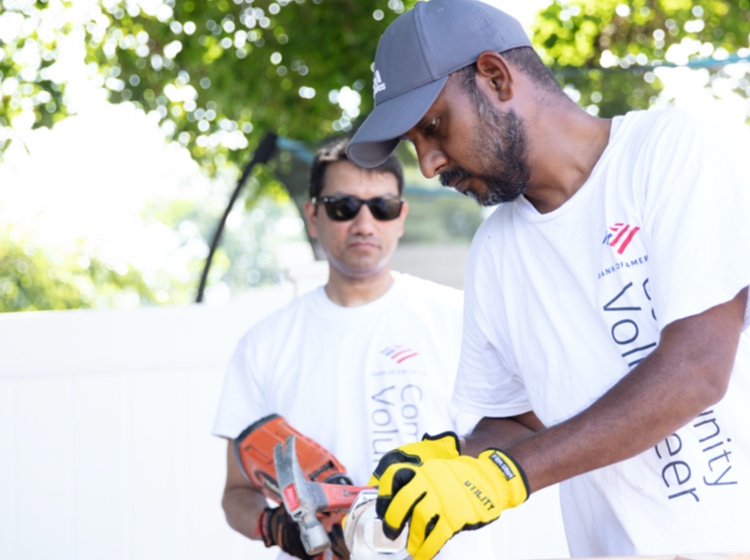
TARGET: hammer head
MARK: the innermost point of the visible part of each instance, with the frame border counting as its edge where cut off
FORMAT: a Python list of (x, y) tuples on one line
[(302, 498)]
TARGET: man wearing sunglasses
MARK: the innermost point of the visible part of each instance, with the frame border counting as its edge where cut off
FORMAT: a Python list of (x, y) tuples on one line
[(605, 340), (361, 365)]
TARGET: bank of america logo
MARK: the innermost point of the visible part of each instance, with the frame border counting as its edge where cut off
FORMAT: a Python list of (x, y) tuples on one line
[(619, 236), (377, 83), (399, 353)]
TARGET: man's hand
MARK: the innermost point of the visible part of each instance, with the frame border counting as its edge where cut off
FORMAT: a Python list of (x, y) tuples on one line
[(444, 496), (440, 446), (278, 529)]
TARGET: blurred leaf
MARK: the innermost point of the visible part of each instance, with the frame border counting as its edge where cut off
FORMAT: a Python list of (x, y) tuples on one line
[(221, 74), (33, 279), (607, 50)]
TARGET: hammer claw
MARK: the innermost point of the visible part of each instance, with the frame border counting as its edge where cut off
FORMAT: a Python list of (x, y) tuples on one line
[(301, 498)]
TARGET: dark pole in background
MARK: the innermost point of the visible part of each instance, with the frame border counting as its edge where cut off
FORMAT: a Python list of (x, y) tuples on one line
[(263, 153)]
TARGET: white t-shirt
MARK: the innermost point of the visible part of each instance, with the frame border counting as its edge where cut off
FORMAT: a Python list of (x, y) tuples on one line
[(358, 380), (560, 306)]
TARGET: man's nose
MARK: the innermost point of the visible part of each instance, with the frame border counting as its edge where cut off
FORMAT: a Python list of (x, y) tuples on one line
[(364, 222), (431, 160)]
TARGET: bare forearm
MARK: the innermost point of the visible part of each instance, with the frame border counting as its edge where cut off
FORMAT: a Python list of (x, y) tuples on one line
[(612, 430), (686, 374), (242, 508)]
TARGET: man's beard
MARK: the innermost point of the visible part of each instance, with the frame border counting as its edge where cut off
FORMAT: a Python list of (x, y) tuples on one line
[(501, 141)]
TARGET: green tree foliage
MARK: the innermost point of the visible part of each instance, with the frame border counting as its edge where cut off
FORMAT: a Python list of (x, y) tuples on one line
[(607, 50), (222, 73), (32, 279), (30, 47), (218, 73)]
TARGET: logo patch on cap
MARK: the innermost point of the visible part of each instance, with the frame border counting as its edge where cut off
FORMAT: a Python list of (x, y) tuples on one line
[(377, 84)]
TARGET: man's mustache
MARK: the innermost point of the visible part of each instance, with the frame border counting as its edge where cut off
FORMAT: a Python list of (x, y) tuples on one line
[(453, 175)]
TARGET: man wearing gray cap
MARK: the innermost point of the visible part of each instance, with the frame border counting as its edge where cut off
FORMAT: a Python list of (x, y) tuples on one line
[(605, 339)]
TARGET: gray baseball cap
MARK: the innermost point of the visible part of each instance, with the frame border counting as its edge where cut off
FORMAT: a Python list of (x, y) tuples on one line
[(415, 55)]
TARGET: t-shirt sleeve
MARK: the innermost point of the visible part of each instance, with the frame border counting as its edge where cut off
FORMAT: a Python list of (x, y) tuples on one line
[(241, 401), (486, 383), (697, 215)]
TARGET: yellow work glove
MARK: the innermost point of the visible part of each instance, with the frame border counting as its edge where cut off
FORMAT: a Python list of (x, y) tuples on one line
[(444, 496), (440, 446)]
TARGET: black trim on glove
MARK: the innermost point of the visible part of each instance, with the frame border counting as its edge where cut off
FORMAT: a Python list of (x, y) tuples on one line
[(278, 529)]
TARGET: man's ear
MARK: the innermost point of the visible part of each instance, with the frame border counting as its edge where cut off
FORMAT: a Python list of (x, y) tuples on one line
[(493, 70), (312, 219)]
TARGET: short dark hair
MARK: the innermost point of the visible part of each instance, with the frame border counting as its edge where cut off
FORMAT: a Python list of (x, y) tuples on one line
[(336, 151), (527, 61)]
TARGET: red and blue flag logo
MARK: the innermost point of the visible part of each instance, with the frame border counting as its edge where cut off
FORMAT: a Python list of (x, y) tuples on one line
[(399, 353), (619, 236)]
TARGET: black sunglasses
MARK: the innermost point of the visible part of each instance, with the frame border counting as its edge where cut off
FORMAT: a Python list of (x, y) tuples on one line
[(343, 208)]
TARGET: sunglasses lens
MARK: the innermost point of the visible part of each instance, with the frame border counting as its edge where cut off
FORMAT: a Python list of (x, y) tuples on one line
[(345, 208), (342, 208), (383, 208)]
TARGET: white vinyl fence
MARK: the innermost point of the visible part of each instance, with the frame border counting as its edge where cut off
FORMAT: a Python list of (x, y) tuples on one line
[(106, 450)]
